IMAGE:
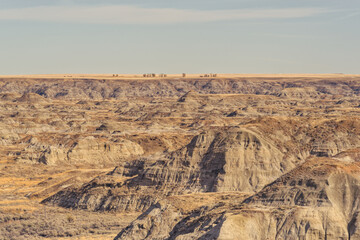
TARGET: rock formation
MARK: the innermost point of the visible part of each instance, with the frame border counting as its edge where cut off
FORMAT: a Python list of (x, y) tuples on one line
[(180, 158)]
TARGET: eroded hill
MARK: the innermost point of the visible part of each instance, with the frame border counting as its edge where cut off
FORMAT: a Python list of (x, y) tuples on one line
[(180, 158)]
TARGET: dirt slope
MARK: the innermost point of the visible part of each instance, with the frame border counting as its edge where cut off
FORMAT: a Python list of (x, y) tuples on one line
[(226, 157)]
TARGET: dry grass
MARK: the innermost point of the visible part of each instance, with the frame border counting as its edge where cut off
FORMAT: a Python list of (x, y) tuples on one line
[(24, 217)]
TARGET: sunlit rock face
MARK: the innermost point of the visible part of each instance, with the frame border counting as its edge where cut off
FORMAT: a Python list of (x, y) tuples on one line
[(226, 157)]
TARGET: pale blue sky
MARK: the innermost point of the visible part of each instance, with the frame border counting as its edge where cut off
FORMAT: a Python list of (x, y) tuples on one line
[(227, 36)]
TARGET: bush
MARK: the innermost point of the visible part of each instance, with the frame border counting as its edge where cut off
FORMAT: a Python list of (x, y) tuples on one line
[(70, 218)]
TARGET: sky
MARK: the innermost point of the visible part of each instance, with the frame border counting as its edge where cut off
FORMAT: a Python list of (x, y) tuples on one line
[(168, 36)]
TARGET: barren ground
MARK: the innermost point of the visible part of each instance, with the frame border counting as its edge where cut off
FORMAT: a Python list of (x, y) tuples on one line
[(102, 156)]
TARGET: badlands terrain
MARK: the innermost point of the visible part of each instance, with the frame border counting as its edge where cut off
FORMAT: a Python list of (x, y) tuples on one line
[(226, 157)]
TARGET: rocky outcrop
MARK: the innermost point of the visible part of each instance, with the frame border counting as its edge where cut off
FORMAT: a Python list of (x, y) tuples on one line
[(243, 159), (193, 216), (216, 161), (157, 221), (300, 93), (317, 200), (78, 150)]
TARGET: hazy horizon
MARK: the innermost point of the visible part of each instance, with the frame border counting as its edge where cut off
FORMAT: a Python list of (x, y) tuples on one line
[(132, 37)]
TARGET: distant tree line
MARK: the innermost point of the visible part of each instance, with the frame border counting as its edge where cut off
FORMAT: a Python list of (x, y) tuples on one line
[(154, 75), (209, 75)]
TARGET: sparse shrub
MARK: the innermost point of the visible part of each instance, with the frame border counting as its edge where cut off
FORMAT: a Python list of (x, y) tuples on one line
[(70, 218)]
